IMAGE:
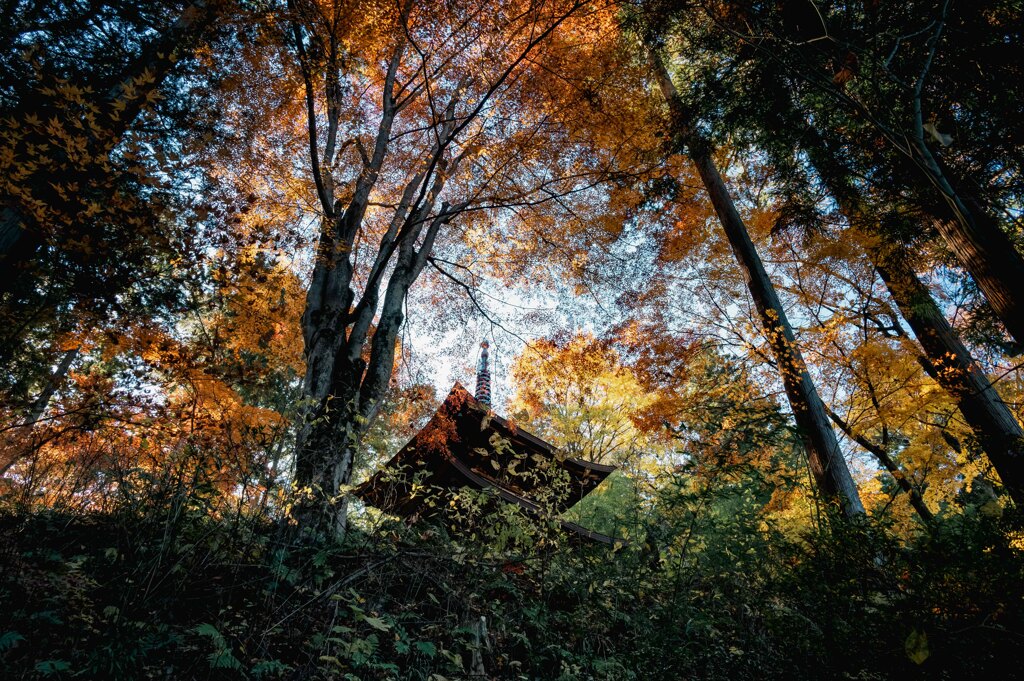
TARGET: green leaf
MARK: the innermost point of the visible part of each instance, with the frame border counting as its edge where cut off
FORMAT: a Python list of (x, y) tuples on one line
[(223, 659), (425, 648), (454, 658), (917, 646), (270, 668), (209, 630), (9, 639), (50, 667), (377, 623)]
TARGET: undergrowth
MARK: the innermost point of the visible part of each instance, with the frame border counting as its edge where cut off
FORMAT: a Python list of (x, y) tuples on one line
[(176, 593)]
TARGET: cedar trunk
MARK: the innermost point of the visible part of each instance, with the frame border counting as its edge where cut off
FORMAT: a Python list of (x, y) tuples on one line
[(949, 361), (953, 367), (994, 263), (825, 458), (975, 238)]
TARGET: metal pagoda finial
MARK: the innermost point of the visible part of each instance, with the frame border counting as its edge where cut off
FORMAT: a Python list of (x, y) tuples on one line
[(483, 376)]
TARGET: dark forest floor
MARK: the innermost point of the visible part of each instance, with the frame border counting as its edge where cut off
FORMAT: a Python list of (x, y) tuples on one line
[(174, 594)]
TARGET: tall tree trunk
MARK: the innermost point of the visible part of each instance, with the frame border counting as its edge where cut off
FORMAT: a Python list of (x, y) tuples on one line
[(968, 228), (995, 264), (973, 236), (328, 437), (326, 447), (825, 458), (952, 365), (992, 422)]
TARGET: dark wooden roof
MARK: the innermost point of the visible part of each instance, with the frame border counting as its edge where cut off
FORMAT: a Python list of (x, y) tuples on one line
[(466, 445)]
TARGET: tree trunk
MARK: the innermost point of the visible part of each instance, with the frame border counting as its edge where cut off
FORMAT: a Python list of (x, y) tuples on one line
[(825, 458), (951, 364), (992, 422), (974, 237), (327, 438), (342, 387), (325, 450), (986, 252)]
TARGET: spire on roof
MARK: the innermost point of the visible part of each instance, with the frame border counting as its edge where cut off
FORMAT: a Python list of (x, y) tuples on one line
[(483, 376)]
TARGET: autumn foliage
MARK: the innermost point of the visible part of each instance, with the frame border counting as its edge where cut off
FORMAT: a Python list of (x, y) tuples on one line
[(764, 259)]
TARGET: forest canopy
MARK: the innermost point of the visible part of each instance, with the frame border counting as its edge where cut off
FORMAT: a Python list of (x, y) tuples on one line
[(764, 259)]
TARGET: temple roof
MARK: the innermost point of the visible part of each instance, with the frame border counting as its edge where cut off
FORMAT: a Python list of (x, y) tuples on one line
[(466, 445)]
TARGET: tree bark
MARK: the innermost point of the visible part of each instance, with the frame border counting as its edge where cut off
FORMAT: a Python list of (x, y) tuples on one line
[(825, 458), (992, 422), (341, 387), (970, 231), (967, 227), (950, 362), (993, 261), (323, 463)]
